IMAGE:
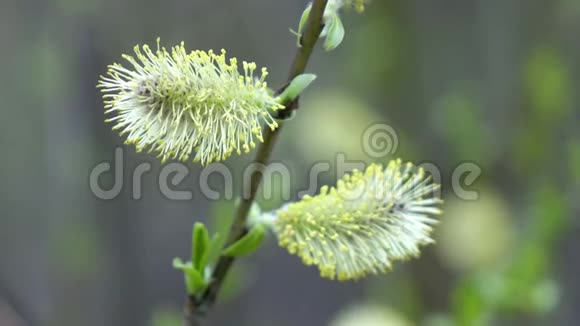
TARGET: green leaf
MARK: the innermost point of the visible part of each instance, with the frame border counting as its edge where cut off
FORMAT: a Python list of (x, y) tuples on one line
[(248, 243), (302, 23), (215, 246), (296, 87), (193, 279), (335, 34), (200, 247), (179, 264), (255, 211), (222, 214)]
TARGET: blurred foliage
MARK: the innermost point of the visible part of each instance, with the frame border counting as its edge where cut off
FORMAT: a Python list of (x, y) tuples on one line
[(371, 63), (163, 316), (574, 161), (462, 127), (523, 283), (548, 87)]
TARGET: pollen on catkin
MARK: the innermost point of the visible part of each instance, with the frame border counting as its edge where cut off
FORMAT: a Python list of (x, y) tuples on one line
[(358, 5), (370, 220), (335, 5), (175, 103)]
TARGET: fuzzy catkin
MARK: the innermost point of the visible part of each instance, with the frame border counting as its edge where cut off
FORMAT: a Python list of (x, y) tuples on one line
[(176, 103), (370, 220)]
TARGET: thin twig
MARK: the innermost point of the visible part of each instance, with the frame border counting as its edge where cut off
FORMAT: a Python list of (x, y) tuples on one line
[(190, 315), (196, 308)]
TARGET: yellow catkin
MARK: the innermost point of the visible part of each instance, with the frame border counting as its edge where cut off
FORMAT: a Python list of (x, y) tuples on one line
[(175, 103), (364, 224)]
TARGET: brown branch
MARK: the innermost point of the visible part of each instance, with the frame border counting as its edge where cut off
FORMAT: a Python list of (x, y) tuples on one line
[(191, 316), (195, 308)]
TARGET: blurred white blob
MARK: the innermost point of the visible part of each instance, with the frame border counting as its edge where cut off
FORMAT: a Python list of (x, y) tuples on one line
[(335, 123), (438, 319), (475, 234), (370, 315)]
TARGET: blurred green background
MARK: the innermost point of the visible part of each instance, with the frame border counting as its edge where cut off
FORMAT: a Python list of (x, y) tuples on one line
[(493, 82)]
